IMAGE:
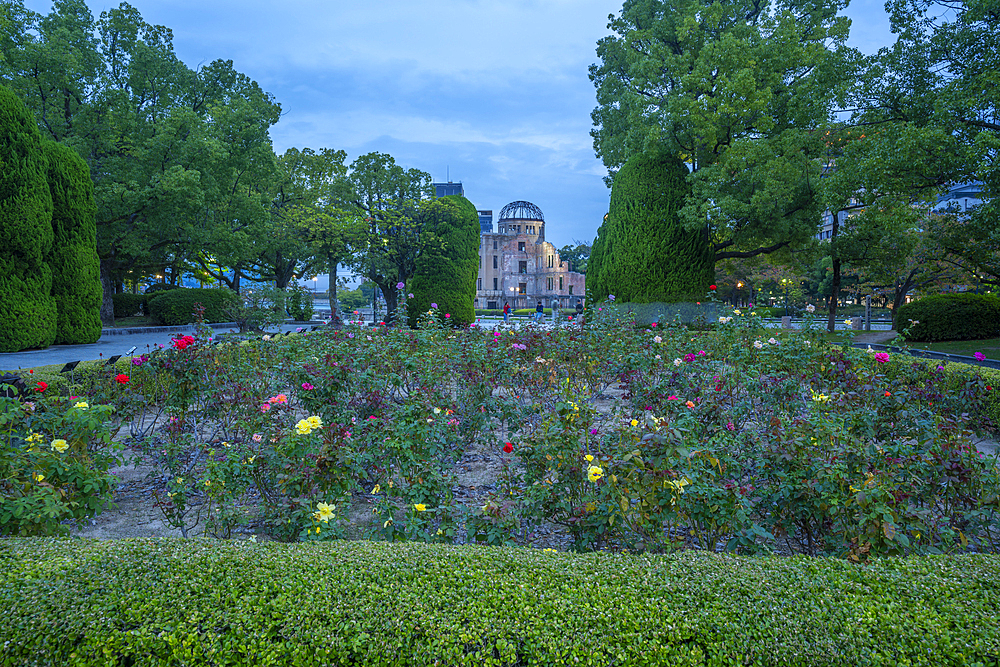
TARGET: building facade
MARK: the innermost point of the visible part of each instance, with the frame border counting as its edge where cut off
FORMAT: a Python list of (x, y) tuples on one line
[(518, 266)]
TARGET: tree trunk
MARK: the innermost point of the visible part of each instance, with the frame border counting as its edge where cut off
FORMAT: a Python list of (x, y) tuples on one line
[(108, 287), (835, 283), (389, 293), (333, 261)]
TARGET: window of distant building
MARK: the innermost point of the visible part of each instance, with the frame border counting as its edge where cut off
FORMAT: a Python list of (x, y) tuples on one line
[(560, 284), (522, 288), (479, 284), (494, 261), (551, 261), (550, 284), (520, 246), (494, 283), (571, 290), (522, 267), (494, 245)]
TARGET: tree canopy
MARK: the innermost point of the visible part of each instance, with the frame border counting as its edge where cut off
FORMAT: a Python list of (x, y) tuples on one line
[(740, 91)]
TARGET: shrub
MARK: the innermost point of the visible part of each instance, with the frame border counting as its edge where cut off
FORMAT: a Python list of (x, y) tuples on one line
[(76, 268), (27, 308), (951, 317), (127, 305), (88, 602), (175, 307), (299, 303), (54, 464), (646, 255), (447, 268)]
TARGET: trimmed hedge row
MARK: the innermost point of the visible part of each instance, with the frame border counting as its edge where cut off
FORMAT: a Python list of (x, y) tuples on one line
[(127, 305), (951, 317), (170, 602), (176, 307)]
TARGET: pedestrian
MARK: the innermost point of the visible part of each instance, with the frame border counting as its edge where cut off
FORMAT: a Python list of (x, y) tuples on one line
[(506, 312), (539, 312), (579, 310)]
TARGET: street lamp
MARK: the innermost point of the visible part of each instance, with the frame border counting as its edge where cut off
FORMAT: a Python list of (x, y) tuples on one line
[(785, 282)]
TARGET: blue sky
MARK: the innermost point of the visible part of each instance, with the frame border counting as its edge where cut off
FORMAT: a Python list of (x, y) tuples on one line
[(493, 93)]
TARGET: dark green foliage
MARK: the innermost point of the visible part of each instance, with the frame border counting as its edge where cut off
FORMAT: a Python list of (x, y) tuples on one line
[(299, 304), (951, 317), (176, 307), (27, 308), (642, 253), (76, 269), (160, 287), (127, 305), (447, 267), (79, 601)]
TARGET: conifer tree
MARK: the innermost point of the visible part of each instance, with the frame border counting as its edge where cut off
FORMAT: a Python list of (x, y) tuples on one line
[(448, 264), (27, 308), (645, 254), (76, 268)]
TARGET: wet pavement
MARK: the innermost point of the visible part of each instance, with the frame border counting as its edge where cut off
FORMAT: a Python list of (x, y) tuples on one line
[(139, 340)]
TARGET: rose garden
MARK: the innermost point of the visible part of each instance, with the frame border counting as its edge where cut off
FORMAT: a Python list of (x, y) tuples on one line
[(652, 446)]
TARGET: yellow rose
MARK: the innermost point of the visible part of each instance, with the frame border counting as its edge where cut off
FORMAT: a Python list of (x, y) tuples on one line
[(315, 422), (303, 427), (420, 507), (589, 458), (324, 513), (82, 405), (60, 445)]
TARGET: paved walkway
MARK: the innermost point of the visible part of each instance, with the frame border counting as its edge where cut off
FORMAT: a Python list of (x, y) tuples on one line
[(115, 341)]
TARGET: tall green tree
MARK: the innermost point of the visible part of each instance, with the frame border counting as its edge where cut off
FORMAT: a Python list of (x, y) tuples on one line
[(315, 203), (647, 255), (176, 155), (739, 91), (928, 118), (76, 268), (448, 265), (387, 198), (27, 308)]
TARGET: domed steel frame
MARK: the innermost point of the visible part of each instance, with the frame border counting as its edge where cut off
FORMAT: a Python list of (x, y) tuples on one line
[(521, 210)]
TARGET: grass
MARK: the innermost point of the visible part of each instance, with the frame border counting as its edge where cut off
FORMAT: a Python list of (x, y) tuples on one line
[(134, 321), (990, 347)]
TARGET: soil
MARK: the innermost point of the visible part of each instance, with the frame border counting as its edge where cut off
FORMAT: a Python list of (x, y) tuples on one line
[(133, 512)]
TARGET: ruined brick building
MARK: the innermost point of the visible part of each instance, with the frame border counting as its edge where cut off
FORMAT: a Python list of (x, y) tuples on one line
[(516, 264)]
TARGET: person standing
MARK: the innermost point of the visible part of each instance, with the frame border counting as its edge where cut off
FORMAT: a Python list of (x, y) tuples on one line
[(539, 312), (506, 312)]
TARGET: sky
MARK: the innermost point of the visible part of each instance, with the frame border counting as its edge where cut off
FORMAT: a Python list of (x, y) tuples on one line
[(492, 93)]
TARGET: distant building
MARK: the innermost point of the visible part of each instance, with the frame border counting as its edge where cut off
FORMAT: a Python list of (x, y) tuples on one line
[(448, 189), (518, 266)]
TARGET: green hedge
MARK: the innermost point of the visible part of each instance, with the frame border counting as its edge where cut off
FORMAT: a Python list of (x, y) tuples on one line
[(176, 306), (127, 305), (951, 317), (174, 602)]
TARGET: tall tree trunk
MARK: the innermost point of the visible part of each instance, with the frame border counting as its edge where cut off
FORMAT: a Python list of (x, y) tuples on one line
[(333, 261), (389, 293), (835, 283), (108, 286)]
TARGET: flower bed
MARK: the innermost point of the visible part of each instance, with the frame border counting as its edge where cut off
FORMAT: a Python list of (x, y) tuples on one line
[(722, 440), (169, 602)]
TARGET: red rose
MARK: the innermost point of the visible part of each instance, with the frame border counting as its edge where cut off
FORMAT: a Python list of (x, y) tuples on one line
[(41, 386), (711, 287), (508, 448), (121, 378)]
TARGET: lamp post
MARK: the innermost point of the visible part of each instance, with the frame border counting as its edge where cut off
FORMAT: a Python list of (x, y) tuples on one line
[(785, 281)]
